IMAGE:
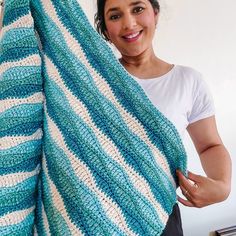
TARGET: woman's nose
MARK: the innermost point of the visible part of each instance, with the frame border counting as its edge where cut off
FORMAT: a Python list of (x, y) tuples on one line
[(129, 22)]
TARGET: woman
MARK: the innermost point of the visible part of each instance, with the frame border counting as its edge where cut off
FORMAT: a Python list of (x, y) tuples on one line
[(177, 91)]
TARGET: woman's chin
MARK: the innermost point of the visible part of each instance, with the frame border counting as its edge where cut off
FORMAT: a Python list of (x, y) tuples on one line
[(132, 54)]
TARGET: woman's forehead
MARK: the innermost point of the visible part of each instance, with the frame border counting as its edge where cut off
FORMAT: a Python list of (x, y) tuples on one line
[(117, 3)]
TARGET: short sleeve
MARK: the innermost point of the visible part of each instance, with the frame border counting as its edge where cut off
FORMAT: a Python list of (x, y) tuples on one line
[(202, 102)]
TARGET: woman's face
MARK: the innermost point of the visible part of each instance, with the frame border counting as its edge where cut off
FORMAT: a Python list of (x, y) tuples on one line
[(130, 25)]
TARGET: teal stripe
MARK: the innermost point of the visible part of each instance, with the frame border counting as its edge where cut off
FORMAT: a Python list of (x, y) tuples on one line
[(22, 91), (24, 157), (27, 188), (21, 229), (18, 197), (23, 119), (14, 9), (17, 44), (21, 82), (18, 37), (21, 75), (20, 153), (15, 54), (25, 111), (56, 221)]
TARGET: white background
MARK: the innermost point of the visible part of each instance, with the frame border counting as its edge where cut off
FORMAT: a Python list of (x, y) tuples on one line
[(202, 34)]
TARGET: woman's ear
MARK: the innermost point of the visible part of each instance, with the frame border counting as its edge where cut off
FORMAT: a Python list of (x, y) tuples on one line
[(107, 35), (156, 15)]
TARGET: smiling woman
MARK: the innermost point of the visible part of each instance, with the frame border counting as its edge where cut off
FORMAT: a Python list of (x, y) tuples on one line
[(100, 16), (90, 146), (132, 23), (179, 92)]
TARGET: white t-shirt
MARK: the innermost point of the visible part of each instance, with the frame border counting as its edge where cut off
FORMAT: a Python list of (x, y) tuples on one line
[(181, 95)]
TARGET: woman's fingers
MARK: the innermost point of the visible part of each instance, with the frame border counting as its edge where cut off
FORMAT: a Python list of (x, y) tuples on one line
[(185, 184), (193, 177), (189, 188), (199, 191), (185, 192), (185, 202)]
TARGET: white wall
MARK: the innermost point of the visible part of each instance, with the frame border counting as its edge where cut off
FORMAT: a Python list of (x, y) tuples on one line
[(202, 34)]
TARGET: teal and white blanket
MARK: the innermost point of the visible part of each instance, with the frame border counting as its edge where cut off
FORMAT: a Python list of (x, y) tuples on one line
[(83, 151)]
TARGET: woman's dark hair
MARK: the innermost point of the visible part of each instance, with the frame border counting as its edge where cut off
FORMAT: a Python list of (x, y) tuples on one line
[(100, 19)]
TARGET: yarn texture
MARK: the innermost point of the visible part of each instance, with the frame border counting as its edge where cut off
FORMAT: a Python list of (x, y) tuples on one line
[(83, 151)]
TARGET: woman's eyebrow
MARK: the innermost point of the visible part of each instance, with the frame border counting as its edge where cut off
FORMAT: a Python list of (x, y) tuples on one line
[(135, 3), (112, 9), (117, 8)]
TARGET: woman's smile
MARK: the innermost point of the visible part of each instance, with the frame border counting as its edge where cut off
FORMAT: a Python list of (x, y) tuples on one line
[(132, 37)]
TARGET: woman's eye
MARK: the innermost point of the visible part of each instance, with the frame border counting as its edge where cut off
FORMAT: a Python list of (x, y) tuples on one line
[(114, 17), (138, 9)]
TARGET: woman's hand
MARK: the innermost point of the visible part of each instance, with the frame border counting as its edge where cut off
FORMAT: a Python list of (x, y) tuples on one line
[(201, 191)]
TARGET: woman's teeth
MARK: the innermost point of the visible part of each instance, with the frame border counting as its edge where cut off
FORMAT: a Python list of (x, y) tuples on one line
[(132, 35)]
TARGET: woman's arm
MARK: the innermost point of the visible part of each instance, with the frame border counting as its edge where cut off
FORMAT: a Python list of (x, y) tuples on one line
[(202, 191)]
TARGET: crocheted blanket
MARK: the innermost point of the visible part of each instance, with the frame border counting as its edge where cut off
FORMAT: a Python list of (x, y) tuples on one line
[(83, 150)]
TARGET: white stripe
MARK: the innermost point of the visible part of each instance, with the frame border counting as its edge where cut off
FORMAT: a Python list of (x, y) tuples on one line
[(104, 88), (108, 146), (9, 103), (112, 210), (35, 231), (32, 60), (13, 141), (11, 180), (15, 217), (24, 21), (58, 203), (45, 220)]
